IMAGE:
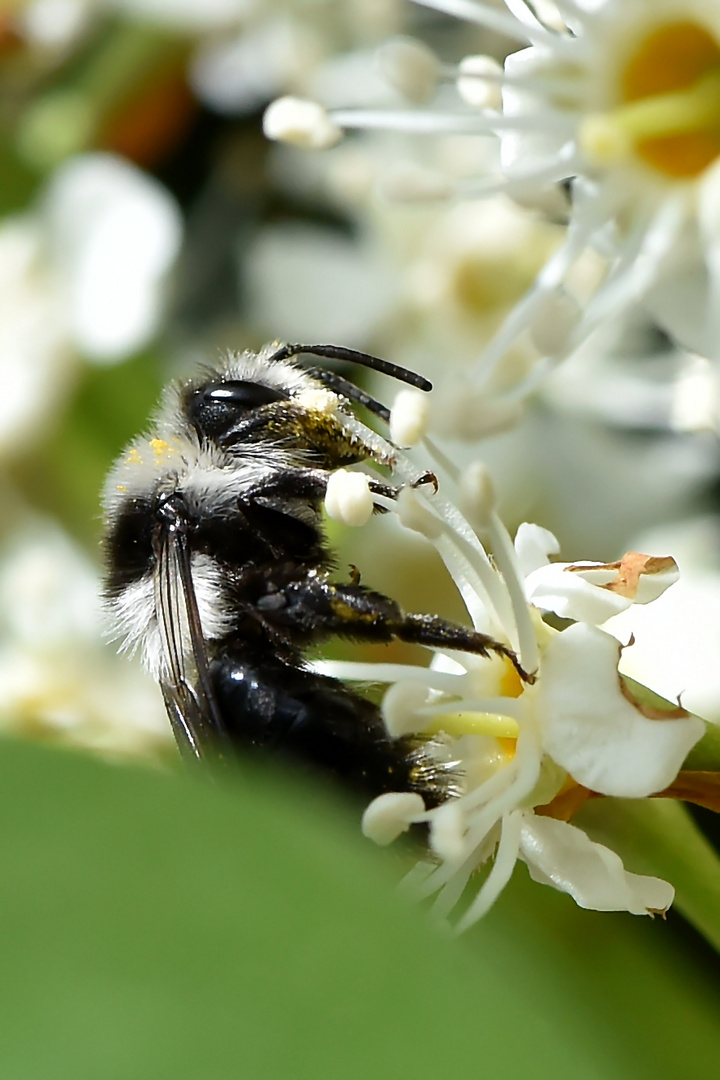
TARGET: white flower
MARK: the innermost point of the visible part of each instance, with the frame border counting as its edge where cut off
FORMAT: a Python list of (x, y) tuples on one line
[(620, 99), (527, 752)]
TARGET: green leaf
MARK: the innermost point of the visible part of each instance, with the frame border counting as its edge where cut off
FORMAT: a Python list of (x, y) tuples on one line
[(706, 753), (161, 927), (659, 837), (64, 475)]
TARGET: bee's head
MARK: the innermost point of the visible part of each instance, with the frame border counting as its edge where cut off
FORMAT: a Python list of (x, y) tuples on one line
[(267, 397), (279, 405)]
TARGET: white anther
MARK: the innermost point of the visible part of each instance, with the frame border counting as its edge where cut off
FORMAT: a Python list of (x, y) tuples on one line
[(409, 417), (301, 123), (348, 498), (391, 814)]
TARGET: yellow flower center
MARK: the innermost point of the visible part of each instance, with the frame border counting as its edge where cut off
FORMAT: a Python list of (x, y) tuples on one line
[(670, 111)]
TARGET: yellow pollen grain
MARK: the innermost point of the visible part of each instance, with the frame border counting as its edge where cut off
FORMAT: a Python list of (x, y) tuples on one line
[(133, 457), (678, 65), (160, 447)]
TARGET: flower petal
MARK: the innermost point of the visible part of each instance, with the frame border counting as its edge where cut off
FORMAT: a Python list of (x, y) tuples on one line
[(534, 546), (561, 855), (590, 728), (560, 588)]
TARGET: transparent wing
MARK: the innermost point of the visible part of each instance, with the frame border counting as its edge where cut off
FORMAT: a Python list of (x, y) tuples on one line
[(186, 685)]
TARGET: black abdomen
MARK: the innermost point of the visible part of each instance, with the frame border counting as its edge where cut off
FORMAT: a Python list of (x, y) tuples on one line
[(318, 721)]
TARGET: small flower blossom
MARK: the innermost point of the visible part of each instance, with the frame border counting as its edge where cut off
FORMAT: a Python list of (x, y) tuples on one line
[(526, 753)]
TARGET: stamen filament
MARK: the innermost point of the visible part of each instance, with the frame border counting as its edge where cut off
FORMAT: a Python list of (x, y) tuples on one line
[(507, 563), (481, 15), (428, 122), (358, 671), (497, 879)]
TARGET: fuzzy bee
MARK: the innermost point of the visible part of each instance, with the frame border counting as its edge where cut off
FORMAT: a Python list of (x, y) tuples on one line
[(220, 573)]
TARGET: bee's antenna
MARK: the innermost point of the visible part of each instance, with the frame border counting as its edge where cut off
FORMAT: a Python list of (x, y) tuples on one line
[(354, 356), (350, 391)]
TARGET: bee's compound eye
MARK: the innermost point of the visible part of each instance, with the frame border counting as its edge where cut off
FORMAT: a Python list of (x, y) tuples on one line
[(216, 408), (242, 395)]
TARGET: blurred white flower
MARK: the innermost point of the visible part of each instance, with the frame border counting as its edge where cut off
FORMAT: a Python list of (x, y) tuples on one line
[(308, 283), (35, 355), (620, 100), (54, 24), (112, 234), (84, 274), (59, 680)]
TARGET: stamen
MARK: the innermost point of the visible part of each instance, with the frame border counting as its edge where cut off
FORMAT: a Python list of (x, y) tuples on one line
[(505, 859), (348, 498), (478, 13), (455, 886), (391, 814), (357, 671), (582, 228), (477, 491), (465, 559), (554, 326), (507, 563), (409, 417), (433, 122), (300, 123)]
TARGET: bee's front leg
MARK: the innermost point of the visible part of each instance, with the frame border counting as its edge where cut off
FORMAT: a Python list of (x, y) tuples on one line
[(318, 608)]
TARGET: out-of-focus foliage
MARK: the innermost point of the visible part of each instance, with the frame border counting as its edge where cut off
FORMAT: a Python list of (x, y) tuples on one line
[(163, 927)]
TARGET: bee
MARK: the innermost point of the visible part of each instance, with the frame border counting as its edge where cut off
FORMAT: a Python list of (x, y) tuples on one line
[(219, 571)]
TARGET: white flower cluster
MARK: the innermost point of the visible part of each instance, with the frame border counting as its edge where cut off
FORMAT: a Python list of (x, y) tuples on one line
[(616, 98), (527, 753)]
